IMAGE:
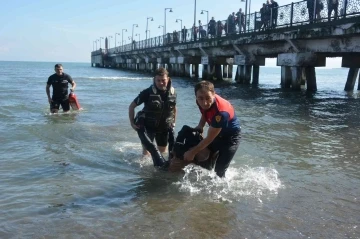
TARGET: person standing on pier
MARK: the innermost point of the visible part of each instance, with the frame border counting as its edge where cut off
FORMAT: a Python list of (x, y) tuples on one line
[(59, 82), (157, 119), (224, 131), (274, 13)]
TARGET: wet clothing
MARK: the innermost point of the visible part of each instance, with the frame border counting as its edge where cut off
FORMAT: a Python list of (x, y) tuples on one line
[(222, 115), (60, 86), (55, 104), (186, 139), (156, 120), (158, 113), (147, 139)]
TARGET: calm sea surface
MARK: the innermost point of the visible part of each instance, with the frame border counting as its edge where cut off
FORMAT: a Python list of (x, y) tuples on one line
[(81, 175)]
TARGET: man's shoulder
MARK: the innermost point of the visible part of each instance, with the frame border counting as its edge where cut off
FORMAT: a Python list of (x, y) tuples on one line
[(52, 77), (67, 76)]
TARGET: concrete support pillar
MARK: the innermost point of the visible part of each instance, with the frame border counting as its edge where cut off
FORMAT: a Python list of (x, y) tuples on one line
[(256, 71), (237, 74), (230, 71), (241, 72), (310, 78), (303, 76), (218, 73), (247, 78), (285, 77), (196, 71), (359, 83), (296, 76), (175, 69), (181, 71), (225, 71), (205, 72), (170, 69), (154, 67), (187, 70), (211, 71), (351, 79)]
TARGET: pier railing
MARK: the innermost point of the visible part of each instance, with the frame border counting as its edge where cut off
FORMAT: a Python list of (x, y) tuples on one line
[(293, 14)]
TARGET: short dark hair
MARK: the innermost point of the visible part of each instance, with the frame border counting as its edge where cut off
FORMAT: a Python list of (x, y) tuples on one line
[(161, 71), (58, 65), (205, 85)]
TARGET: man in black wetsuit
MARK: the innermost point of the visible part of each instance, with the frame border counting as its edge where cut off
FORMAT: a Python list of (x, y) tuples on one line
[(59, 81), (157, 119)]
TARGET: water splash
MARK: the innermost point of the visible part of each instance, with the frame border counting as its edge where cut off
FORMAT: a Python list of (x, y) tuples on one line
[(132, 154), (239, 183)]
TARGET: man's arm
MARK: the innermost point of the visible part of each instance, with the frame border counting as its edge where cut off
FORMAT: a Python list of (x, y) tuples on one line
[(175, 111), (132, 107), (211, 135), (201, 124), (48, 93), (73, 84)]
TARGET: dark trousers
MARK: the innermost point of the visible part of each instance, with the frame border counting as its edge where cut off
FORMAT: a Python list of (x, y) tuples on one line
[(311, 14), (333, 7), (274, 20), (147, 139), (227, 147)]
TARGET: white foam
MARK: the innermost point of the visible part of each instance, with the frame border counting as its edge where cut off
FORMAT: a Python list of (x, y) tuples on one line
[(239, 183), (132, 154)]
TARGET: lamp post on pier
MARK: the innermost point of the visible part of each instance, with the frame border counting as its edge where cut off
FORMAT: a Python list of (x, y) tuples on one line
[(207, 15), (194, 13), (170, 10), (138, 34), (100, 41), (109, 41), (132, 35), (246, 17), (180, 22), (115, 38), (122, 39), (162, 27), (147, 24), (180, 33)]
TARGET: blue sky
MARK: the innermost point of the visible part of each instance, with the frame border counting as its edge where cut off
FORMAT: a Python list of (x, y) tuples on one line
[(64, 31)]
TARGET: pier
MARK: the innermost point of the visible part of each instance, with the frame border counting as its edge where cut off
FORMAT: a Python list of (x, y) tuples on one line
[(299, 40)]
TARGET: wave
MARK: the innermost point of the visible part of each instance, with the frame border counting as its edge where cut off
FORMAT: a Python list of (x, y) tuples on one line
[(239, 183)]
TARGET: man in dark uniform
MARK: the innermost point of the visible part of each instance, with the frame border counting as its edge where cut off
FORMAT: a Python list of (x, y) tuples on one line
[(224, 128), (274, 6), (157, 119), (59, 81)]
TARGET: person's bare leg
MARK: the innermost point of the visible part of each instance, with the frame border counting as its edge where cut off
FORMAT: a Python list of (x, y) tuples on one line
[(145, 152), (162, 149)]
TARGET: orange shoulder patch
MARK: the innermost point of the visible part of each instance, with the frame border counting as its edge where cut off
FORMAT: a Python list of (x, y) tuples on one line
[(218, 118)]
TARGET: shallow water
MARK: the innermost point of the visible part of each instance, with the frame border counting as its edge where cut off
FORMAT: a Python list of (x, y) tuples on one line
[(81, 174)]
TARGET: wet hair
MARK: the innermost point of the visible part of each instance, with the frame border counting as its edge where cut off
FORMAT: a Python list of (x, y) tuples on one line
[(58, 65), (205, 86), (161, 72)]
